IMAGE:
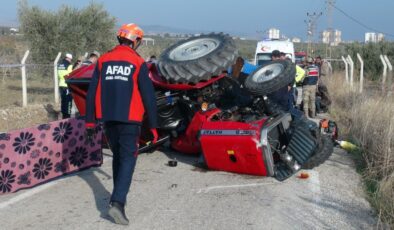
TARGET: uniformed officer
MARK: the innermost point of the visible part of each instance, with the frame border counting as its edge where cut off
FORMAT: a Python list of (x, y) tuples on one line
[(63, 69)]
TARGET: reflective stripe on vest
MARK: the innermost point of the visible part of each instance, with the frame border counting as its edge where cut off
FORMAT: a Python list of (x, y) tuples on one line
[(63, 69)]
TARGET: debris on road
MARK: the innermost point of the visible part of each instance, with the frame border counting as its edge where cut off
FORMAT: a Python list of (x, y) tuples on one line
[(303, 175)]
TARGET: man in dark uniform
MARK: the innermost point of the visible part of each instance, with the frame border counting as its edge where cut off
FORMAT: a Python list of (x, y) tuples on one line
[(119, 94)]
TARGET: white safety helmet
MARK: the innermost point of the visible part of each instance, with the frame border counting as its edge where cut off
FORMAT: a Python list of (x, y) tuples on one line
[(68, 55)]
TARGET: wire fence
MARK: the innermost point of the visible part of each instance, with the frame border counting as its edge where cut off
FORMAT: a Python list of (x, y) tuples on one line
[(40, 84), (31, 83)]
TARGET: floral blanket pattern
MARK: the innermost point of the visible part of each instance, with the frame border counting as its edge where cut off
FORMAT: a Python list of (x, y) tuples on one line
[(34, 155)]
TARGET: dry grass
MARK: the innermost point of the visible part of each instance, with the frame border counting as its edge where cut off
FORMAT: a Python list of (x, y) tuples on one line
[(40, 92), (368, 120), (40, 85), (17, 117)]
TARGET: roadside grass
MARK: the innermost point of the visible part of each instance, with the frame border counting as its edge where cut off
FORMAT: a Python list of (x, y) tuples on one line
[(367, 120), (38, 91)]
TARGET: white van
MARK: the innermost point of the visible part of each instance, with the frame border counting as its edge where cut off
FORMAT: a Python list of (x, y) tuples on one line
[(264, 49)]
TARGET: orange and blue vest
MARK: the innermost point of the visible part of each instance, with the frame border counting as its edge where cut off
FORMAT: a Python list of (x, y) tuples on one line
[(120, 89)]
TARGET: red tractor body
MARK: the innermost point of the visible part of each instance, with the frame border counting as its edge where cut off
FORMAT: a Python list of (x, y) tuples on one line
[(226, 143), (229, 122)]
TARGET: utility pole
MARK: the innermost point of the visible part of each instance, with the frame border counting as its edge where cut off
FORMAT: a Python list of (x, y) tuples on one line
[(329, 8), (311, 27)]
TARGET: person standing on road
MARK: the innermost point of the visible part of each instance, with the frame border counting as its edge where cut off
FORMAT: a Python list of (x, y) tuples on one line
[(119, 94), (64, 68), (309, 87)]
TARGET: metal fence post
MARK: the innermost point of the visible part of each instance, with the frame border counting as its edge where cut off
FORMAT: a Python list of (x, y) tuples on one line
[(55, 78), (361, 72), (24, 85), (390, 68), (384, 75), (346, 68), (351, 63), (330, 70)]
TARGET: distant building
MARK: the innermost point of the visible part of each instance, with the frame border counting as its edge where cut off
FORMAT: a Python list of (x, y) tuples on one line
[(296, 40), (373, 37), (273, 33), (370, 37), (380, 37), (332, 37), (147, 40)]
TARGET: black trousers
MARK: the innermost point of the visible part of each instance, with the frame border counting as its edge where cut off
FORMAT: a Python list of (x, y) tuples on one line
[(123, 139), (66, 102)]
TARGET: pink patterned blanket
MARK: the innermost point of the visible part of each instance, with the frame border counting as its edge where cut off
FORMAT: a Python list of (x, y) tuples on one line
[(34, 155)]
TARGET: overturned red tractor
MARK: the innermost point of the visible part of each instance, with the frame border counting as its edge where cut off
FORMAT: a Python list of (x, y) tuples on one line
[(201, 110)]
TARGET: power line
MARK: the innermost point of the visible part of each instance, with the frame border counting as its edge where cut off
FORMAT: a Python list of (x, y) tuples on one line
[(359, 22)]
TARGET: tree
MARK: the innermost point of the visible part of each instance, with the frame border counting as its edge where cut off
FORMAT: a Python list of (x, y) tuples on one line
[(67, 30)]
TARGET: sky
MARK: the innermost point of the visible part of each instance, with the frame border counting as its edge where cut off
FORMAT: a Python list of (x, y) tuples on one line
[(249, 17)]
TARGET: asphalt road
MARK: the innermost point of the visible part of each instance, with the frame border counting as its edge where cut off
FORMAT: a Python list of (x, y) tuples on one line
[(186, 197)]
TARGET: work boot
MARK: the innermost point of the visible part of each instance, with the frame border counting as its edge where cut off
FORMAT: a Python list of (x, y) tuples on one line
[(116, 211)]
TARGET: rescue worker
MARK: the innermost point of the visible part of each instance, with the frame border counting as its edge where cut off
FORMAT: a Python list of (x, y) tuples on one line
[(300, 75), (78, 63), (282, 56), (309, 87), (93, 57), (152, 59), (323, 70), (64, 68), (119, 94)]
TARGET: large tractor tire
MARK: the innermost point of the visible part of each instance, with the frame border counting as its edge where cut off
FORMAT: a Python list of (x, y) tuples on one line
[(197, 58), (270, 77), (324, 151)]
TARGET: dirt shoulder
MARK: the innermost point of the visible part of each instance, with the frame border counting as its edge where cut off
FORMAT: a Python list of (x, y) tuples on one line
[(22, 117)]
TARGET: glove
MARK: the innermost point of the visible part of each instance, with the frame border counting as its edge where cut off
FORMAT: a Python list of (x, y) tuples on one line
[(90, 134), (155, 135)]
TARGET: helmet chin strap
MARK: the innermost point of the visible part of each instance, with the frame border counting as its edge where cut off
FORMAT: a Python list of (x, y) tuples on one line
[(136, 44), (133, 44)]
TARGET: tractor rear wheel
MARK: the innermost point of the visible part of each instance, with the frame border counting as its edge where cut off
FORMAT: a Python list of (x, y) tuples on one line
[(197, 58), (270, 77), (324, 151)]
